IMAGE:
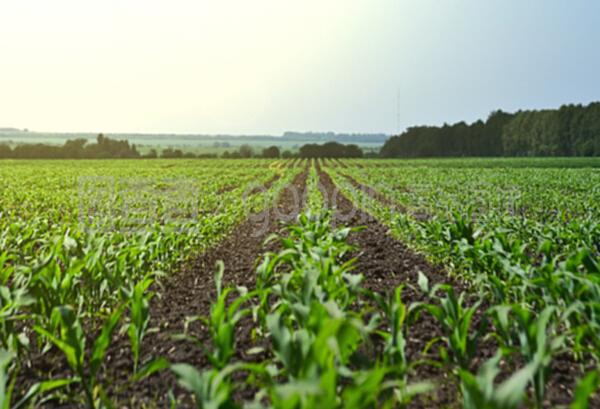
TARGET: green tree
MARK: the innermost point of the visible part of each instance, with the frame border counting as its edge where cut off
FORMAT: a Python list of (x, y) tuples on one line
[(271, 152)]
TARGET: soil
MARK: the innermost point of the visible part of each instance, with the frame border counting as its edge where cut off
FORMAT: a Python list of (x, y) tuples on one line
[(227, 189)]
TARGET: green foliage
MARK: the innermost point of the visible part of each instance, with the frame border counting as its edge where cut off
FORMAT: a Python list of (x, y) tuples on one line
[(6, 385), (571, 130), (139, 315), (480, 391), (531, 271), (456, 321), (330, 150), (70, 340), (211, 388), (315, 197), (222, 322), (585, 388)]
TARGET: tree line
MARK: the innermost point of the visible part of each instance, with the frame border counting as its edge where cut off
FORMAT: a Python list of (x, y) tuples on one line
[(104, 148), (107, 148), (330, 150), (310, 150), (72, 149), (571, 130)]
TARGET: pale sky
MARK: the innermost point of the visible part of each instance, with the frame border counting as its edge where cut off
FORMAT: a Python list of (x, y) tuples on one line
[(267, 66)]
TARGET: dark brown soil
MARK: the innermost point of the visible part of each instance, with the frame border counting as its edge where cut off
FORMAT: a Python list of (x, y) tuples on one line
[(227, 189)]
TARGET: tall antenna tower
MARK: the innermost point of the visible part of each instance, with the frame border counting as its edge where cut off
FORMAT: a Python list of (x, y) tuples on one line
[(398, 112)]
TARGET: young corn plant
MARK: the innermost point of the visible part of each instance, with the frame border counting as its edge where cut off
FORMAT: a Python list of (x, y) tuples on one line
[(311, 268), (316, 337), (56, 277), (7, 382), (314, 359), (221, 322), (72, 342), (13, 303), (138, 302), (532, 336), (456, 321), (395, 313), (586, 387), (213, 388), (480, 390), (8, 376)]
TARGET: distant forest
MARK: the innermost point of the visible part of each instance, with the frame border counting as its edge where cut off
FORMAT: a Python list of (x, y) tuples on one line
[(571, 130)]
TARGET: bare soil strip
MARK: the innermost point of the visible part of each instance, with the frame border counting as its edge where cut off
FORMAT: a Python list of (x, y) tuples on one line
[(227, 189)]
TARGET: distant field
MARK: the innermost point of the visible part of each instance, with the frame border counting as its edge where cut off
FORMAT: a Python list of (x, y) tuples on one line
[(187, 143)]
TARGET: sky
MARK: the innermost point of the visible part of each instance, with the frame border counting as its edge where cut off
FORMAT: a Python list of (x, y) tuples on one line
[(268, 66)]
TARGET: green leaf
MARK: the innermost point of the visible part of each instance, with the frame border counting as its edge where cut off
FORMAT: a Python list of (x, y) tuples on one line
[(67, 349), (188, 376), (41, 388), (511, 392), (104, 339), (150, 368), (423, 282), (586, 386)]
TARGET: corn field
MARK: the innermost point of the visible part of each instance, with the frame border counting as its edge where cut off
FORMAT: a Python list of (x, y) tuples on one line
[(300, 283)]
